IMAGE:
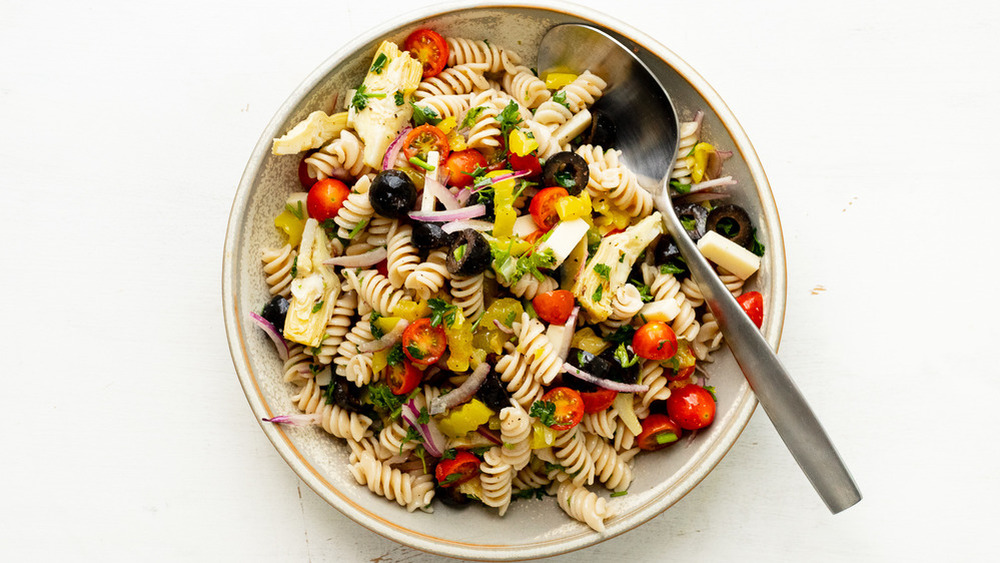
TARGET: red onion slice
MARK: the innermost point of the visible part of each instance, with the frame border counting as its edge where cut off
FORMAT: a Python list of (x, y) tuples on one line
[(450, 215), (464, 392), (568, 329), (503, 328), (489, 436), (364, 260), (279, 341), (487, 182), (607, 384), (463, 196), (389, 160), (295, 419), (387, 340), (718, 182), (434, 440), (474, 224), (437, 190)]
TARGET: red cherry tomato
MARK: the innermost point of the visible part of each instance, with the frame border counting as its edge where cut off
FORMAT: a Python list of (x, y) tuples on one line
[(403, 377), (597, 401), (658, 432), (554, 307), (543, 207), (424, 139), (527, 162), (533, 237), (691, 407), (655, 340), (383, 268), (304, 178), (753, 303), (681, 374), (569, 407), (429, 48), (451, 472), (461, 165), (325, 199), (424, 344)]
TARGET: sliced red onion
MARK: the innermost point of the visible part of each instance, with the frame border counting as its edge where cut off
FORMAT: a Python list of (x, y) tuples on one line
[(389, 160), (463, 196), (437, 190), (474, 224), (718, 182), (503, 328), (489, 436), (450, 215), (487, 182), (279, 341), (605, 383), (387, 340), (363, 260), (434, 440), (699, 197), (295, 419), (464, 392), (569, 327)]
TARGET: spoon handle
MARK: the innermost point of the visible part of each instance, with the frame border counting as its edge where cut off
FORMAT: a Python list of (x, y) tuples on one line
[(782, 401)]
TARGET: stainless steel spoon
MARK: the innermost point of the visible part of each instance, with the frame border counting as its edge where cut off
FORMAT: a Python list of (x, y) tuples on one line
[(648, 136)]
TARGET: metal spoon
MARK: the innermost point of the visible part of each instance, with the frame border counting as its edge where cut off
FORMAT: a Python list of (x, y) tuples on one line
[(648, 136)]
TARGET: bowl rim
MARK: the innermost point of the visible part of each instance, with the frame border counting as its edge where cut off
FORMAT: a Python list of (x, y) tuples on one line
[(309, 474)]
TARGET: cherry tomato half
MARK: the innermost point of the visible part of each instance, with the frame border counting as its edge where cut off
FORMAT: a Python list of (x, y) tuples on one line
[(424, 139), (554, 307), (383, 268), (424, 344), (534, 236), (527, 162), (543, 207), (305, 179), (461, 165), (753, 303), (597, 401), (655, 340), (325, 199), (429, 48), (451, 472), (403, 377), (691, 407), (569, 407), (679, 375), (682, 364), (658, 432)]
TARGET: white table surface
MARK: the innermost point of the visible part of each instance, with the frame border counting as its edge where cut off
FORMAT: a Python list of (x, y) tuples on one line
[(126, 127)]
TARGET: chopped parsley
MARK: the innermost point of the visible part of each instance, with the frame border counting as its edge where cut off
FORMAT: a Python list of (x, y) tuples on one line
[(379, 65), (395, 355), (480, 450), (471, 116), (411, 435), (296, 211), (441, 312), (643, 290), (598, 294), (360, 99), (452, 477), (376, 330), (509, 118), (622, 356), (398, 98), (560, 98), (529, 494), (358, 228), (602, 270), (757, 247), (450, 453), (544, 411), (565, 179), (672, 268), (424, 417), (385, 401), (415, 352), (622, 335), (295, 267), (422, 115), (316, 308), (681, 188)]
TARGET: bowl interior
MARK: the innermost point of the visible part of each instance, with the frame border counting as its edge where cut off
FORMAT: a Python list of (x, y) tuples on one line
[(531, 528)]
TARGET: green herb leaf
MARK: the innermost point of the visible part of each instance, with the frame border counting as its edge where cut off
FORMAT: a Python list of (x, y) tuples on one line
[(560, 98), (379, 65), (602, 270), (441, 312), (376, 330), (398, 98), (622, 356), (671, 268), (757, 248), (395, 355), (415, 352), (384, 400), (643, 290), (451, 478), (598, 293), (422, 115), (537, 493), (509, 118), (317, 307), (565, 179), (411, 435), (296, 211), (358, 228), (450, 453), (471, 116), (550, 467), (681, 187), (688, 223), (360, 99), (424, 417), (480, 450), (624, 334), (295, 267), (544, 411)]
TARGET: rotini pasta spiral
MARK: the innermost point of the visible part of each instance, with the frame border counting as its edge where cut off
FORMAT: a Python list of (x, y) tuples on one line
[(652, 375), (485, 130), (495, 59), (583, 505), (525, 87), (445, 106), (602, 423), (359, 370), (693, 293), (360, 333), (571, 451), (515, 431), (296, 367), (410, 491), (513, 370), (467, 292), (403, 257), (709, 338), (378, 231), (457, 80), (429, 276), (624, 438), (346, 153), (666, 286), (626, 304), (529, 287), (627, 193), (367, 444), (338, 326), (357, 210), (584, 91), (611, 468), (530, 477), (544, 363), (689, 132), (278, 269), (552, 114), (375, 290), (335, 420), (495, 476)]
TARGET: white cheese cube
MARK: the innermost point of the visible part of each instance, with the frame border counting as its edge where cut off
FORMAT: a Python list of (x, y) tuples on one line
[(731, 256), (524, 226), (564, 238)]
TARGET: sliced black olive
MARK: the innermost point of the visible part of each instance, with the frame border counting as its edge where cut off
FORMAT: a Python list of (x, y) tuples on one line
[(694, 217), (732, 222), (451, 496), (344, 396), (429, 236), (392, 193), (469, 253), (598, 366), (624, 363), (567, 170), (602, 132), (274, 312), (492, 393), (666, 250)]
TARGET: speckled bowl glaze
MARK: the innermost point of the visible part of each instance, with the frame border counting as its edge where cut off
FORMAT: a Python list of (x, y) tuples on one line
[(531, 528)]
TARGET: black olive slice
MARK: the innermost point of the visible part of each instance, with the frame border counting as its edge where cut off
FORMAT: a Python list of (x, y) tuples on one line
[(732, 222), (392, 194), (598, 366), (492, 393), (666, 250), (451, 496), (275, 311), (602, 132), (694, 217), (469, 253), (566, 170), (344, 395), (429, 236), (624, 363)]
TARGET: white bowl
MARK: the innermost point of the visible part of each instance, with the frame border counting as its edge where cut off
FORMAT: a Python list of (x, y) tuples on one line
[(531, 528)]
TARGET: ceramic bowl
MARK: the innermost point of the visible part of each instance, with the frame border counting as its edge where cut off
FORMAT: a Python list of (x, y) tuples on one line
[(531, 528)]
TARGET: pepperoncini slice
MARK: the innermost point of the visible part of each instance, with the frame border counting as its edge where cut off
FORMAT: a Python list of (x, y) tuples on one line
[(488, 337), (521, 143), (574, 207), (700, 157), (460, 344), (556, 80), (503, 205), (542, 436), (410, 310), (465, 419)]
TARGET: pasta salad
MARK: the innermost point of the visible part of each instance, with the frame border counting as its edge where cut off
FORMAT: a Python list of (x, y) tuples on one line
[(476, 293)]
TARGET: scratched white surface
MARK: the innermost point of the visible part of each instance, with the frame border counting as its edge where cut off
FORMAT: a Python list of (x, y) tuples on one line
[(126, 126)]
